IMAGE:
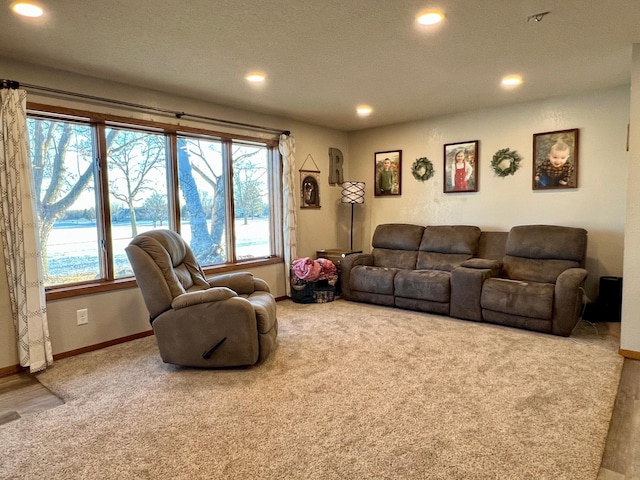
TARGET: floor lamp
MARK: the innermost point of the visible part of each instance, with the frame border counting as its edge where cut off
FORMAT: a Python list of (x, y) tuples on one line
[(352, 192)]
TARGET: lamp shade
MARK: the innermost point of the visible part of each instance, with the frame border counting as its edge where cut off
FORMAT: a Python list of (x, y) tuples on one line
[(352, 192)]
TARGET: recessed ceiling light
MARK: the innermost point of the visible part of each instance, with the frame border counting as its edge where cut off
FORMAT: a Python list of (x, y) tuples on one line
[(511, 81), (27, 9), (364, 110), (255, 77), (430, 18)]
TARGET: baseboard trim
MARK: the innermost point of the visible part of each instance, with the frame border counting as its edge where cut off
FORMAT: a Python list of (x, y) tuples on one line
[(13, 369), (629, 354), (99, 346)]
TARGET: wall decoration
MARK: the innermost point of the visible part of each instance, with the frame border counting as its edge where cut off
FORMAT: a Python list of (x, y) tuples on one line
[(505, 162), (309, 185), (422, 169), (388, 172), (555, 159), (461, 167), (309, 189), (336, 160)]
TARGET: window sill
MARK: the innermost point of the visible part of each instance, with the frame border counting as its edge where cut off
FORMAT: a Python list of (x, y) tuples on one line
[(89, 288)]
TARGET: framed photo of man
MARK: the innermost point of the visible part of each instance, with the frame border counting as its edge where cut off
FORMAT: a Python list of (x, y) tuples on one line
[(388, 173), (461, 167), (555, 159)]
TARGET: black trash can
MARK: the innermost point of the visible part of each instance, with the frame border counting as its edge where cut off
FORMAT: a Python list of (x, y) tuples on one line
[(610, 299)]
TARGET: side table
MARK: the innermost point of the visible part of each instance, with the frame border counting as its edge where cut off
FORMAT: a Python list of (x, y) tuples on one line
[(336, 255)]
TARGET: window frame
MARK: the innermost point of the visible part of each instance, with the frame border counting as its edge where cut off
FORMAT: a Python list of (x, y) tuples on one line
[(101, 121)]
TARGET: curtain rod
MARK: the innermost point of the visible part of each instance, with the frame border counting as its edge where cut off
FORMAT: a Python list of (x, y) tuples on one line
[(12, 84)]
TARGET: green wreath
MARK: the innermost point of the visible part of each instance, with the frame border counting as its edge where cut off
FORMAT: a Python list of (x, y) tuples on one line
[(422, 169), (505, 162)]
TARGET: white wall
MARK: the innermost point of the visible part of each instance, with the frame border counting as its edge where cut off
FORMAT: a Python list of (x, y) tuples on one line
[(597, 204), (328, 226), (122, 313), (630, 334)]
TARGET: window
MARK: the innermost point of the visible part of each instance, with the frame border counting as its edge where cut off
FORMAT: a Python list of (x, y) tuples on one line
[(217, 191), (204, 169), (64, 175), (203, 204), (138, 189), (251, 200)]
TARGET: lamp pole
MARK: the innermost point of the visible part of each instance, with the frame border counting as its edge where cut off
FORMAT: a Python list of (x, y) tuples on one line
[(351, 243)]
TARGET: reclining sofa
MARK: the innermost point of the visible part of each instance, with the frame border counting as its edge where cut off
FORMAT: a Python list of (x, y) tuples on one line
[(530, 277)]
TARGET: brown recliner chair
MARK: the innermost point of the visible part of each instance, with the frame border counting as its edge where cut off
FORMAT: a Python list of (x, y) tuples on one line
[(540, 285), (227, 320)]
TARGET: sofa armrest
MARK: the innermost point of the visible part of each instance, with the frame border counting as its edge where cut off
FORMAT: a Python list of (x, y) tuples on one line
[(567, 301), (242, 283), (346, 264), (214, 294), (260, 285), (466, 288), (483, 263)]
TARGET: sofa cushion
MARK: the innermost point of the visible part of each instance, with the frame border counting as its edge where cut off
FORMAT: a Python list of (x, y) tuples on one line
[(372, 279), (432, 285), (440, 261), (460, 239), (534, 270), (525, 299), (384, 257), (547, 242), (445, 247), (397, 236), (492, 244), (395, 245)]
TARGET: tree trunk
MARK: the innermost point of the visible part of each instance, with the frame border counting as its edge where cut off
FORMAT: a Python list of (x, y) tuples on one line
[(218, 221), (134, 223), (201, 241)]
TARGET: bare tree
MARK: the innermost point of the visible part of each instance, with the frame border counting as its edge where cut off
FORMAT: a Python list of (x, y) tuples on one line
[(156, 208), (204, 245), (248, 179), (133, 155), (58, 181)]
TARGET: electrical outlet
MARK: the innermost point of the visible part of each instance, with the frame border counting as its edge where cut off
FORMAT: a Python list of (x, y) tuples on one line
[(82, 316)]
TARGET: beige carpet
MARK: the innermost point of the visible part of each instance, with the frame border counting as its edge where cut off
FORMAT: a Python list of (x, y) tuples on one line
[(352, 392)]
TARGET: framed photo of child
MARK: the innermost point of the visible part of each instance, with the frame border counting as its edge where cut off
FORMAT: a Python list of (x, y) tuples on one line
[(461, 167), (388, 173), (555, 159)]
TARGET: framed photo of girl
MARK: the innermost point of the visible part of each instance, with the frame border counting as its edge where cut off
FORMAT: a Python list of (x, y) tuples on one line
[(388, 173), (555, 159), (461, 167)]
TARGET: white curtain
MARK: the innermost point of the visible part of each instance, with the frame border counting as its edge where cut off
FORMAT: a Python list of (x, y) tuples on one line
[(22, 254), (288, 150)]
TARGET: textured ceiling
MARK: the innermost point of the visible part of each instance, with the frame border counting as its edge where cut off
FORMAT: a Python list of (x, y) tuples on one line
[(323, 57)]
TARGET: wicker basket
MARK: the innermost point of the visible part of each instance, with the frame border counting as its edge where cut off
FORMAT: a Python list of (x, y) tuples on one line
[(312, 292)]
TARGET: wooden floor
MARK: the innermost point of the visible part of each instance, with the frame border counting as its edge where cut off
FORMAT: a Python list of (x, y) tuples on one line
[(621, 459), (22, 395)]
